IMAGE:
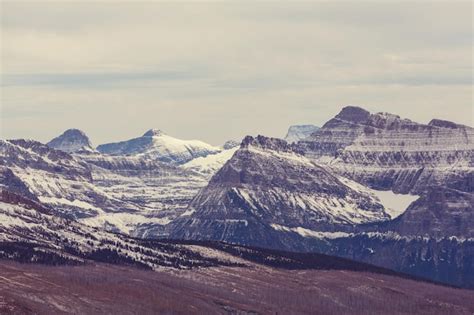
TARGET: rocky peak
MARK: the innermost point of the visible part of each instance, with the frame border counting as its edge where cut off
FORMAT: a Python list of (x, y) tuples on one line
[(266, 143), (153, 133), (353, 114), (444, 124), (72, 140), (388, 121)]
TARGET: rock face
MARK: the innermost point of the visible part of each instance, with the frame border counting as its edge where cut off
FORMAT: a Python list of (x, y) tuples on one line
[(299, 132), (157, 145), (386, 152), (72, 140)]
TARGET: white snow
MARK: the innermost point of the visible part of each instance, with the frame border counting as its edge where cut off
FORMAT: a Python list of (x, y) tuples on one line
[(395, 204), (125, 222), (188, 212), (211, 163), (156, 144), (310, 233), (64, 201), (290, 156)]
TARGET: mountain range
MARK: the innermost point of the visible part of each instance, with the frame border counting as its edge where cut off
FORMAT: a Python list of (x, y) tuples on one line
[(370, 187)]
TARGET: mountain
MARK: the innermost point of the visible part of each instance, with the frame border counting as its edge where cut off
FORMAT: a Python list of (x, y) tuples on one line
[(370, 187), (72, 140), (153, 193), (268, 187), (374, 188), (133, 195), (157, 145), (53, 177), (386, 152), (299, 132)]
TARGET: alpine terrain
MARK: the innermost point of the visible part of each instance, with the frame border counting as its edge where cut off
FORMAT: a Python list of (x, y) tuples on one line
[(370, 202)]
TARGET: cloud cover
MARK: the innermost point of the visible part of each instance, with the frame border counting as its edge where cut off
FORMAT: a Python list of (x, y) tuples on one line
[(218, 71)]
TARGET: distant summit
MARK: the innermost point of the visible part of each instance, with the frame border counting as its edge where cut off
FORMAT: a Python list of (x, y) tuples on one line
[(299, 132), (153, 133), (353, 114), (157, 145), (72, 140), (230, 144)]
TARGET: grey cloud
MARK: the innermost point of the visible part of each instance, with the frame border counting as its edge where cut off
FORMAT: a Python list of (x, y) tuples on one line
[(217, 71)]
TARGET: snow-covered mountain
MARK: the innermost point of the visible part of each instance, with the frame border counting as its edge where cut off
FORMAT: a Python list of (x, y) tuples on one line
[(363, 186), (157, 145), (72, 140), (299, 132)]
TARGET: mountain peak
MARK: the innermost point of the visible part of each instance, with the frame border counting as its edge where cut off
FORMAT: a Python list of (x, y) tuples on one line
[(73, 132), (153, 133), (353, 114), (266, 143), (71, 140), (444, 124)]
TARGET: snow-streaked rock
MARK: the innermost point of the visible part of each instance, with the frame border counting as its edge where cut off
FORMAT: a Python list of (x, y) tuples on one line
[(127, 194), (389, 153), (266, 182), (385, 151)]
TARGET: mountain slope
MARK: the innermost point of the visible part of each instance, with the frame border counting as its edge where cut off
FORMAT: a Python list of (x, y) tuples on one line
[(267, 187), (127, 194), (157, 145), (101, 288)]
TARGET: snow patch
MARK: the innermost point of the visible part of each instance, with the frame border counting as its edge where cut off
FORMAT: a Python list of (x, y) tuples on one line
[(395, 204)]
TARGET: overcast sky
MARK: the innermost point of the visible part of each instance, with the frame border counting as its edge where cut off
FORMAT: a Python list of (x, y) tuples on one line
[(219, 71)]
